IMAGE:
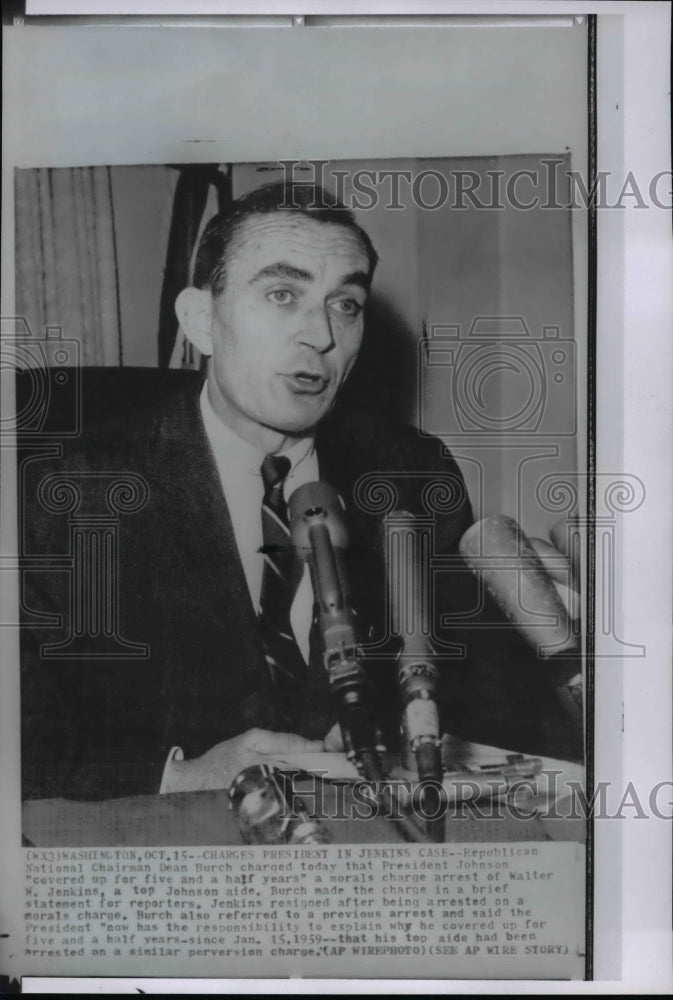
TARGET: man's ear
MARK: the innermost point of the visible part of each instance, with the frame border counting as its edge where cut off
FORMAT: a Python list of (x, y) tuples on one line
[(194, 309)]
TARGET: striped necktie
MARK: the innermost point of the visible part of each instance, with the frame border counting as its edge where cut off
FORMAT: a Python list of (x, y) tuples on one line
[(283, 571)]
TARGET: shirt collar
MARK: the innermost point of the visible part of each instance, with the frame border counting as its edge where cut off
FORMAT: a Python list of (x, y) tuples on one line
[(227, 445)]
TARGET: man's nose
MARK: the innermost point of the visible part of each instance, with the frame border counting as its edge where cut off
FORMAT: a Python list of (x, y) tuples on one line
[(316, 329)]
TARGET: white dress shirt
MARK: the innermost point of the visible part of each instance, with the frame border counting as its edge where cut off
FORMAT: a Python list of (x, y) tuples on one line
[(239, 466)]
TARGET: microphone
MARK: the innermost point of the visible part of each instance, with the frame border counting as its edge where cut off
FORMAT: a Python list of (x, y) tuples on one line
[(418, 677), (407, 561), (500, 554), (268, 811), (320, 535)]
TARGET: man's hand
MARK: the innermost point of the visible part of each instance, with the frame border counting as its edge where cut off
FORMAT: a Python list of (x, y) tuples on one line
[(218, 767)]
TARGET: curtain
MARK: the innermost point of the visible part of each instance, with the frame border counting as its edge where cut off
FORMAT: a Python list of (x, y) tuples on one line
[(66, 259)]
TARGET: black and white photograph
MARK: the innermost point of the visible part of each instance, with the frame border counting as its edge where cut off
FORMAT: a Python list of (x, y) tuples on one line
[(313, 562), (273, 554)]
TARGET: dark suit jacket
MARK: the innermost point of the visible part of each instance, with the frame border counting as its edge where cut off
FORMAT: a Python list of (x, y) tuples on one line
[(97, 724)]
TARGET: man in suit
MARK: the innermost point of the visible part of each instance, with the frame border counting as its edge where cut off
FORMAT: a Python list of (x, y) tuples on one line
[(280, 288)]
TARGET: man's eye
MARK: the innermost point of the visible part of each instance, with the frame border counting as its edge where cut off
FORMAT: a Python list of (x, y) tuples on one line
[(281, 296), (348, 307)]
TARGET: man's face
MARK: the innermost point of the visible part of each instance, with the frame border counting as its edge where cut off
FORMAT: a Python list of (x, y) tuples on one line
[(288, 325)]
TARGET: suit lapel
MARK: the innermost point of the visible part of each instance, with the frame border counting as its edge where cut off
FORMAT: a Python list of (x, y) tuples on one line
[(220, 632), (196, 510)]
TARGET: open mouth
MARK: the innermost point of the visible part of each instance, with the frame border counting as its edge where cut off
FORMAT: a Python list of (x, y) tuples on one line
[(308, 382)]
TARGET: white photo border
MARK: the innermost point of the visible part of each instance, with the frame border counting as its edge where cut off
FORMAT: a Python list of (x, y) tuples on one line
[(633, 436)]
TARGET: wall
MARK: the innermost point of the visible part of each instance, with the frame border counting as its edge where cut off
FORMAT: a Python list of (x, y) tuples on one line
[(503, 361)]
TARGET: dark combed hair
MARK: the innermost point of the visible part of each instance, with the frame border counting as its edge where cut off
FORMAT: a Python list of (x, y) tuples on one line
[(298, 198)]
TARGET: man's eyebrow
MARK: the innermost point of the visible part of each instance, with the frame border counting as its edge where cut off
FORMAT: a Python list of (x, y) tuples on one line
[(282, 270), (360, 278)]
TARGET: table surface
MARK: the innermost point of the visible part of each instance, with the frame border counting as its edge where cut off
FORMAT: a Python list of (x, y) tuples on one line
[(206, 818)]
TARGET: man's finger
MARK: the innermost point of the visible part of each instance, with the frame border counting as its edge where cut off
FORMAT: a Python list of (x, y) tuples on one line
[(553, 560)]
